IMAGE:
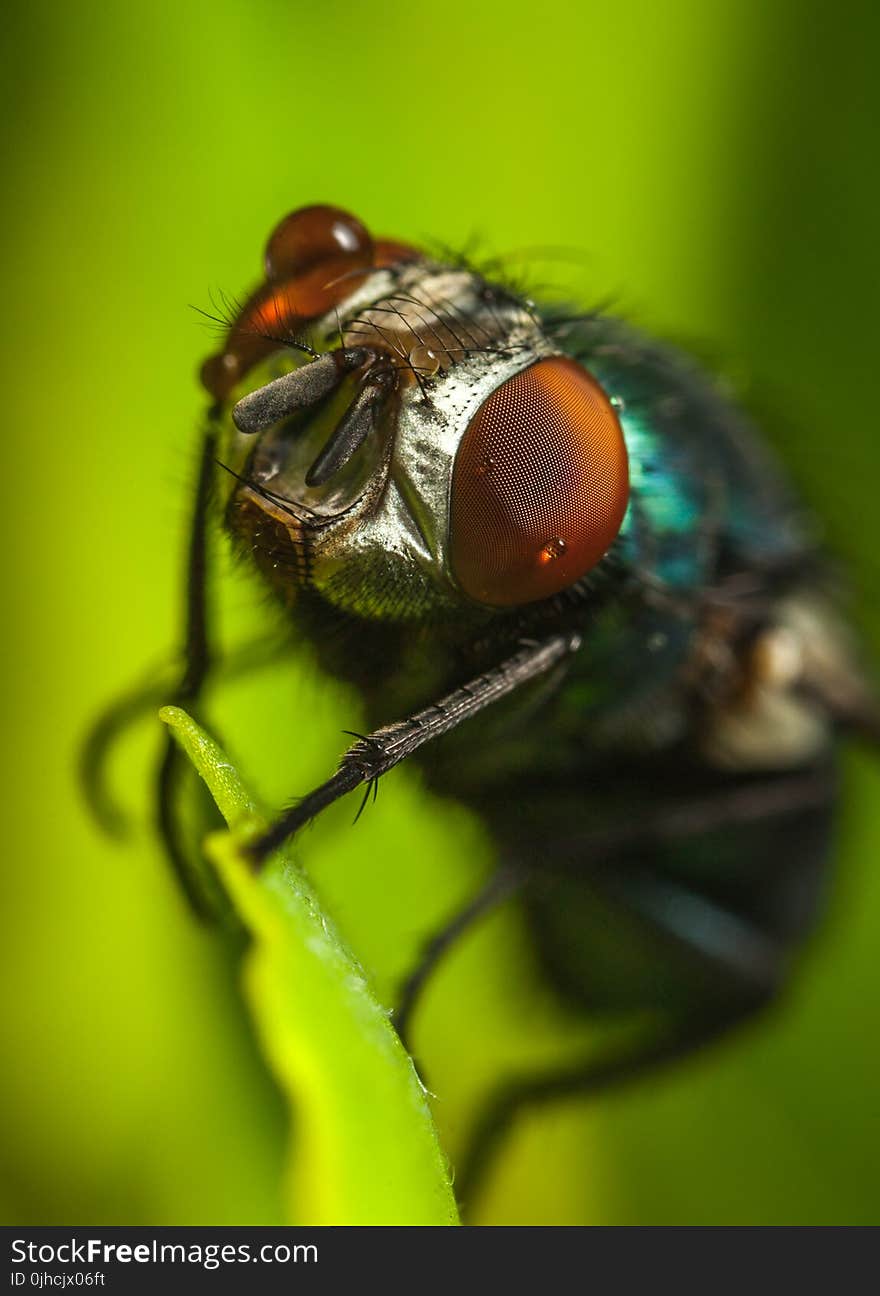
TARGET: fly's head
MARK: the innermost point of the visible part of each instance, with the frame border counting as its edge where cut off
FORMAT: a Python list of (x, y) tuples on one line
[(402, 435)]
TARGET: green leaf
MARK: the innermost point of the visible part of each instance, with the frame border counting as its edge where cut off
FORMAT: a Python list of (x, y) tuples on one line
[(363, 1145)]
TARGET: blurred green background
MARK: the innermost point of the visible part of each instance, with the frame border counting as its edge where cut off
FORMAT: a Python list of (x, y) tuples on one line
[(715, 164)]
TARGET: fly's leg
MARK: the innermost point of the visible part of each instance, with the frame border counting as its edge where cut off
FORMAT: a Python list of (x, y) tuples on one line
[(163, 689), (753, 964), (163, 686), (681, 820), (110, 725), (142, 700), (689, 817), (371, 757), (500, 886), (197, 662), (745, 964), (591, 1077)]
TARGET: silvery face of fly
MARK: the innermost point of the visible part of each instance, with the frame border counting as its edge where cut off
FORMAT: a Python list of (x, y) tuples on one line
[(432, 447)]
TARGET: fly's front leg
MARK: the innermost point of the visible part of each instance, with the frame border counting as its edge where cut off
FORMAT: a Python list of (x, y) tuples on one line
[(371, 757)]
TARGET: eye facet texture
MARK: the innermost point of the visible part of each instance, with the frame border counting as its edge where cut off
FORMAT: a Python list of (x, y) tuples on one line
[(539, 488)]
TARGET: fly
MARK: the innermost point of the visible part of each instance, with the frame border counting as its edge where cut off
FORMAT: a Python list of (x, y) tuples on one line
[(567, 580)]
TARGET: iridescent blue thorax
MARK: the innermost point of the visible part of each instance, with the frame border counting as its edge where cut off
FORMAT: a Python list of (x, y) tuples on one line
[(706, 498)]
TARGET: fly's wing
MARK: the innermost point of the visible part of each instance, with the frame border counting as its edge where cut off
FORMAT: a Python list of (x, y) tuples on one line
[(671, 889)]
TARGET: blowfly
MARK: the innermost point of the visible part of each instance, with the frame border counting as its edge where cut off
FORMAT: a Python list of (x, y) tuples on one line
[(570, 582)]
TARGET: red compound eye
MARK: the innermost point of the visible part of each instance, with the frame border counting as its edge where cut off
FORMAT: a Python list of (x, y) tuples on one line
[(539, 488)]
